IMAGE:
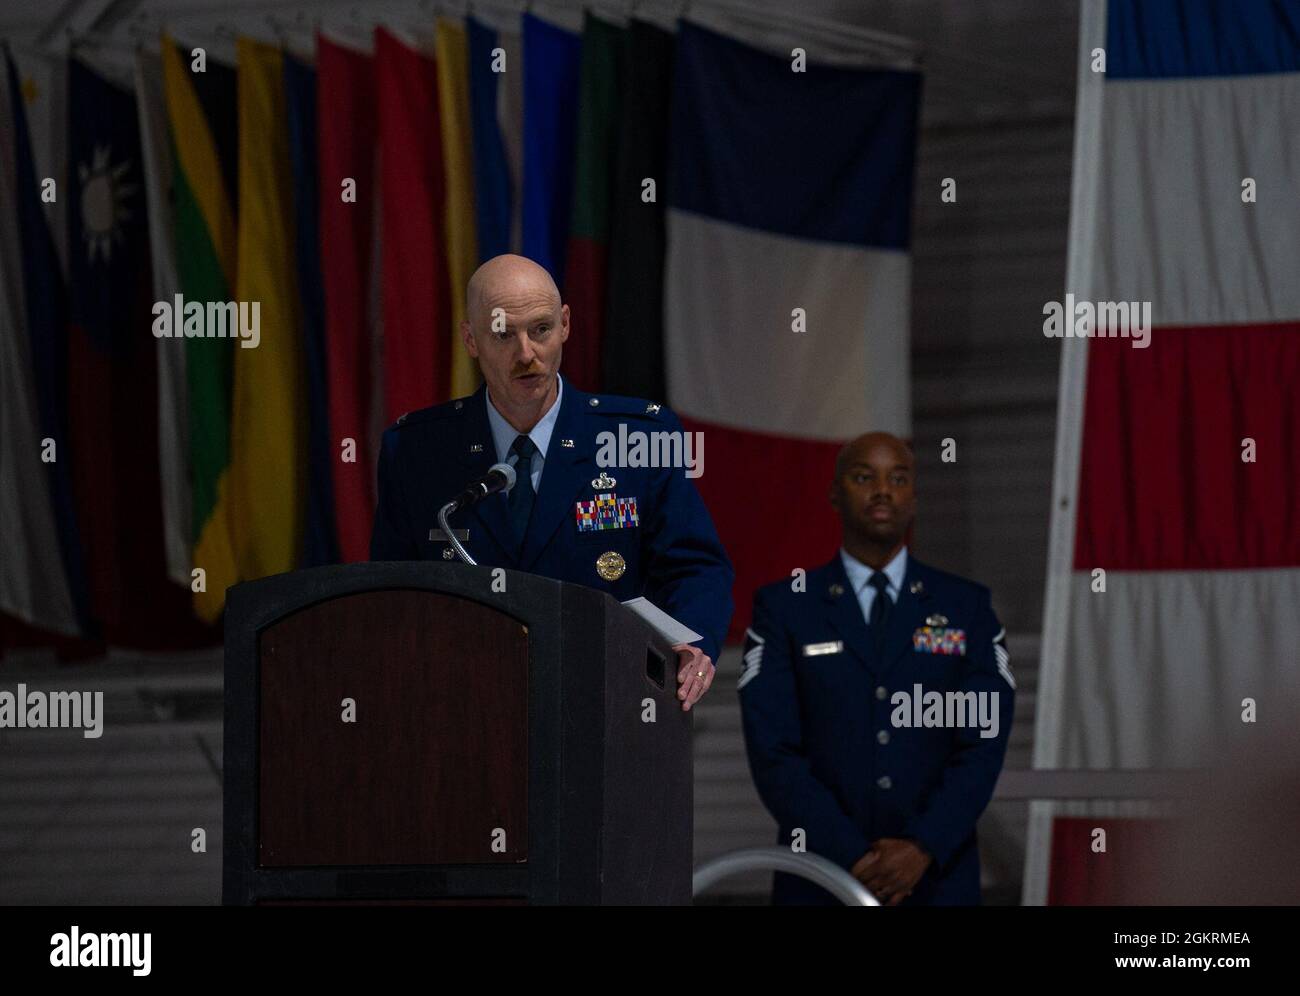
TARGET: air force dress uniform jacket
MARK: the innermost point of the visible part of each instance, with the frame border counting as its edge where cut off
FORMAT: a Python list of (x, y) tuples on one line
[(817, 703), (628, 531)]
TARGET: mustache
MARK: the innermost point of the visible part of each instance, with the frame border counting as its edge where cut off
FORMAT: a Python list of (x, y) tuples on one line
[(525, 371)]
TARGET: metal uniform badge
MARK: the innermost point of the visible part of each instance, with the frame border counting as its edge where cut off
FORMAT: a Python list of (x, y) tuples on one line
[(610, 565), (604, 482)]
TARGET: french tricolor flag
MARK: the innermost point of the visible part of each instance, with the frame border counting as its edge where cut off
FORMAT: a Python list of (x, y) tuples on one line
[(1178, 465), (787, 285)]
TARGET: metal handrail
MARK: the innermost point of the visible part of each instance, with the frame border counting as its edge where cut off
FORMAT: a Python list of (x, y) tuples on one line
[(813, 867)]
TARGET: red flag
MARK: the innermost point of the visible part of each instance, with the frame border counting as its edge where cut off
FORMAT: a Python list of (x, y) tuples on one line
[(347, 139), (417, 305)]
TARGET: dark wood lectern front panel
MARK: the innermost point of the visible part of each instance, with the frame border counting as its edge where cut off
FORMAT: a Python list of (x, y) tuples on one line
[(433, 777)]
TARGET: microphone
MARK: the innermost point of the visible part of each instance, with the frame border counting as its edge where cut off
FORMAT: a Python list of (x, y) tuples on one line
[(501, 477)]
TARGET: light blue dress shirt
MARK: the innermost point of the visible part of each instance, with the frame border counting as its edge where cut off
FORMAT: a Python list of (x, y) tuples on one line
[(860, 573), (504, 435)]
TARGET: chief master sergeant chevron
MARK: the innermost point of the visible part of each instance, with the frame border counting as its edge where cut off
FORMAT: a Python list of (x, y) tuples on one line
[(660, 542), (876, 700)]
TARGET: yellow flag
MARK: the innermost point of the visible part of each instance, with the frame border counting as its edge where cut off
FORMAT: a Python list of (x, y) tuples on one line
[(451, 54), (205, 265), (268, 439)]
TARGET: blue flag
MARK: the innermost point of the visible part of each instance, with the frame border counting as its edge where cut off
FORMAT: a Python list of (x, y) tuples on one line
[(47, 330), (552, 62), (320, 544)]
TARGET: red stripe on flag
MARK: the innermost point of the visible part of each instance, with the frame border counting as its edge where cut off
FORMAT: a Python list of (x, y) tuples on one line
[(1162, 482), (769, 526), (417, 305), (91, 410), (1119, 875), (347, 139)]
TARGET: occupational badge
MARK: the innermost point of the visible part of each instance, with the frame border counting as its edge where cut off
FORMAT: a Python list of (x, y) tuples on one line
[(610, 565)]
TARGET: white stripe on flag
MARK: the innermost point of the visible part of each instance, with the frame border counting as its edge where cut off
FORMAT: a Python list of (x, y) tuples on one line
[(1160, 662), (1164, 148), (173, 389), (729, 298), (33, 586)]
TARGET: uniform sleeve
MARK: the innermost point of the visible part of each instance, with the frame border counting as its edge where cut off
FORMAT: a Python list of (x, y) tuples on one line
[(769, 706), (688, 573), (391, 537), (946, 818)]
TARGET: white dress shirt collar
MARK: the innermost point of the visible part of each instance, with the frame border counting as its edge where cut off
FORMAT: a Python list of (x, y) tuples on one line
[(504, 434), (860, 573)]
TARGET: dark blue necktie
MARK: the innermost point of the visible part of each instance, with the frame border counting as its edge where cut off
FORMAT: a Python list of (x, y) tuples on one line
[(521, 495), (880, 606)]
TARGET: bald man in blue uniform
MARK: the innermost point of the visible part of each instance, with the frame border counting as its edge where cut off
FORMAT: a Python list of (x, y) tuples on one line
[(876, 699), (626, 530)]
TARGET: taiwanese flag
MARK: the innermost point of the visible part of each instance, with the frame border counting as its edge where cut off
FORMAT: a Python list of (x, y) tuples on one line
[(585, 266), (112, 374)]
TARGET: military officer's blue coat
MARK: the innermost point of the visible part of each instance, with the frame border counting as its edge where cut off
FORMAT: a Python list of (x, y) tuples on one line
[(673, 555), (824, 753)]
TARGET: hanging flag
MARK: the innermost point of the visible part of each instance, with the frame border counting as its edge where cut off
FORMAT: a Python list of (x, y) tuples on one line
[(46, 318), (348, 138), (33, 582), (173, 392), (203, 127), (494, 63), (452, 50), (786, 316), (1174, 566), (599, 108), (319, 543), (111, 362), (417, 303), (510, 121), (552, 60), (632, 352), (44, 82), (268, 445)]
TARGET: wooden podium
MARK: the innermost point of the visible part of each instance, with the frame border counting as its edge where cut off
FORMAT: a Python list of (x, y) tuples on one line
[(436, 733)]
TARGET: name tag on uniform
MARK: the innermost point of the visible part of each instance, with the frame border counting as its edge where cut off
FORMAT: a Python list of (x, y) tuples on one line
[(438, 536), (939, 640), (817, 649)]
